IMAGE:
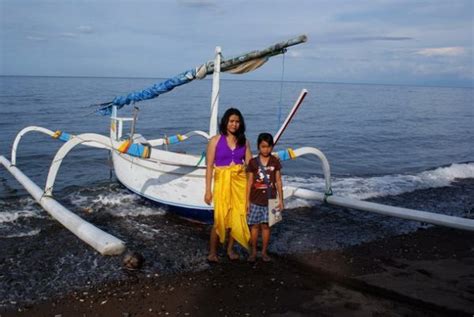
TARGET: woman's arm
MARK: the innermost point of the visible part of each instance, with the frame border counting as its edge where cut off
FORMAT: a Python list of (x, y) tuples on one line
[(279, 186), (210, 156), (249, 187), (248, 157), (248, 153)]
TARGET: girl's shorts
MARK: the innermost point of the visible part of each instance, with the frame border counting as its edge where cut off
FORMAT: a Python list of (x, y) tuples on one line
[(258, 214)]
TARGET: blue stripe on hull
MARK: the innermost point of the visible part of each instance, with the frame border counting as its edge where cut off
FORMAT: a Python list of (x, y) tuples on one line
[(194, 214), (200, 215)]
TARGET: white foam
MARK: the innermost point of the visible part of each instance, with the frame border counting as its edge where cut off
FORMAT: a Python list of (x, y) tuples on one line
[(82, 198), (135, 211), (23, 234), (77, 199), (10, 216), (126, 204), (145, 230), (25, 208), (297, 203), (387, 185), (121, 204), (120, 198)]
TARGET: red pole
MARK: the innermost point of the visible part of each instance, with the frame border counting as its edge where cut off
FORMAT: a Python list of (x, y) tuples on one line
[(290, 116)]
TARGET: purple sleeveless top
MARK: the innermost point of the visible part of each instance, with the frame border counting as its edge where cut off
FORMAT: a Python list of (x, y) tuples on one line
[(225, 155)]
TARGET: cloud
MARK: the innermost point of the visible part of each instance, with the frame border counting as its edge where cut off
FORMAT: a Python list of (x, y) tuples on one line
[(85, 29), (294, 54), (68, 34), (197, 3), (361, 39), (82, 29), (35, 38), (459, 71), (441, 51), (381, 38)]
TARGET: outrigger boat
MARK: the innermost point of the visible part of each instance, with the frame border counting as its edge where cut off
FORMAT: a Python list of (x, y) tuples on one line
[(176, 180)]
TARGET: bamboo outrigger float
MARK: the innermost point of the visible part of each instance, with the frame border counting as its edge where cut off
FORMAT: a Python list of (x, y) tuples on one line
[(175, 179)]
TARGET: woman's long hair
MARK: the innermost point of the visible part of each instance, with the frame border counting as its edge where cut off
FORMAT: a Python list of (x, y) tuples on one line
[(240, 133)]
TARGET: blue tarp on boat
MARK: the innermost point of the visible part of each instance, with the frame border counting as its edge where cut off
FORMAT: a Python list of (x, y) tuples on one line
[(237, 65), (149, 93)]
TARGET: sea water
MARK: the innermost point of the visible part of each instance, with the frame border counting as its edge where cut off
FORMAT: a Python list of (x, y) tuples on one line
[(401, 145)]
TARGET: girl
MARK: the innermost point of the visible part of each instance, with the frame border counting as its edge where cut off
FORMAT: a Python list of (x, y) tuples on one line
[(225, 158), (264, 163)]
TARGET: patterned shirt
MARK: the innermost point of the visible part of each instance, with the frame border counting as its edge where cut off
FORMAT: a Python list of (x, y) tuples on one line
[(258, 192)]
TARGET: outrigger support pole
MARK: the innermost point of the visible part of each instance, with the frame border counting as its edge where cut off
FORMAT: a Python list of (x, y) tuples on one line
[(103, 242), (328, 197), (404, 213)]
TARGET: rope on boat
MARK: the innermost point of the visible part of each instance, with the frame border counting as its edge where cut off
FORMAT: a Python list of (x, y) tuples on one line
[(327, 194), (281, 89), (203, 155)]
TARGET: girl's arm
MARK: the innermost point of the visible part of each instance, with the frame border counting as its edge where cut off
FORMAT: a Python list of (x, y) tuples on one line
[(210, 155), (248, 153), (279, 186), (248, 157), (249, 187)]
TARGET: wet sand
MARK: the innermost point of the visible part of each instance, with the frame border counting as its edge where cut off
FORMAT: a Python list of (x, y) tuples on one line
[(426, 273)]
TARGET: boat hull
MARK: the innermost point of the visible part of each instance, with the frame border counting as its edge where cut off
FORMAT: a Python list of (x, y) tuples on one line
[(168, 179)]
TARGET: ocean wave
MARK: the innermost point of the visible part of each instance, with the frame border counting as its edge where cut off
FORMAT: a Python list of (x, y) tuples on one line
[(136, 211), (23, 234), (11, 216), (118, 202), (386, 185), (105, 197), (22, 208)]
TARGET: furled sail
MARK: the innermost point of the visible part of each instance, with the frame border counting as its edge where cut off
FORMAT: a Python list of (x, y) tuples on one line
[(237, 65)]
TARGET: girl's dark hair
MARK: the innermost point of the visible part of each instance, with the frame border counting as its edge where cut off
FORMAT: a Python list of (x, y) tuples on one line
[(267, 137), (240, 133)]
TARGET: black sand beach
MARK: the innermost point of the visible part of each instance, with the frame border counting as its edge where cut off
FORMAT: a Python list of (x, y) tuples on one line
[(426, 273)]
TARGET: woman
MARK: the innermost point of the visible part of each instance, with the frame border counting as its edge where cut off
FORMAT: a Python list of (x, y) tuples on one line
[(226, 155)]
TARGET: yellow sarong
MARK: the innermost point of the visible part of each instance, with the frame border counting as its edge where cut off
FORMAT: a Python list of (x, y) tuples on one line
[(230, 197)]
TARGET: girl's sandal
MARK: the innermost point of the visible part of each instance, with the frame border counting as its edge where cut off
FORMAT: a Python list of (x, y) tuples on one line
[(252, 258), (266, 258), (233, 256)]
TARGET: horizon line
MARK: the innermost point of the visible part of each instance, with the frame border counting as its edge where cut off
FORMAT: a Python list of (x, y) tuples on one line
[(264, 80)]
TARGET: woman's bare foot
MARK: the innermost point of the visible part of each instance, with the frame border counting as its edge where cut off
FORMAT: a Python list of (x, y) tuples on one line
[(232, 255), (252, 258), (212, 258), (266, 258)]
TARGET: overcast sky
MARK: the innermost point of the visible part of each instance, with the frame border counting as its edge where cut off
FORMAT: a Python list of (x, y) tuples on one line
[(395, 42)]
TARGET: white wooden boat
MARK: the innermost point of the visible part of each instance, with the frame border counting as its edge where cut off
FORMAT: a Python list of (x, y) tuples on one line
[(177, 180)]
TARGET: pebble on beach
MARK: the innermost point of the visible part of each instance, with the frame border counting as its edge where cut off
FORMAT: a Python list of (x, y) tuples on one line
[(133, 260)]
